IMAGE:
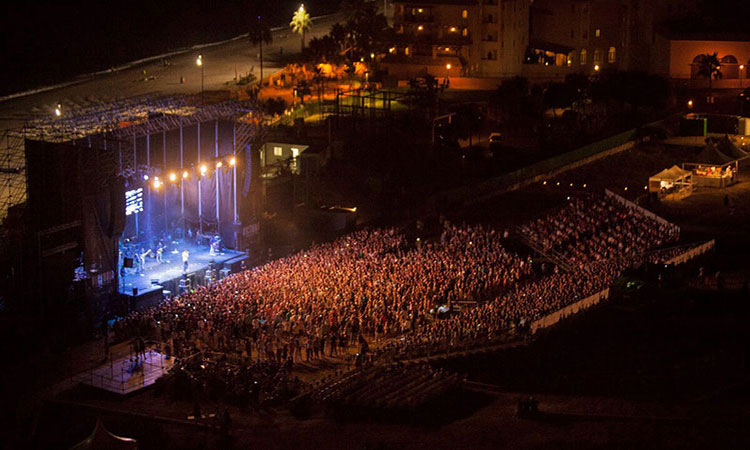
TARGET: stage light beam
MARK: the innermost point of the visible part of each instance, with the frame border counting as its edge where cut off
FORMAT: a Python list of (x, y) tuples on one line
[(204, 169), (172, 176)]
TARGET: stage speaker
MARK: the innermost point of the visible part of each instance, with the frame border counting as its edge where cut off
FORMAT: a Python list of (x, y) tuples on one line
[(117, 207), (127, 262)]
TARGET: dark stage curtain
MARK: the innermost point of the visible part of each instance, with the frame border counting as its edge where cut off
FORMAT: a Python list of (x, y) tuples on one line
[(208, 200), (226, 205)]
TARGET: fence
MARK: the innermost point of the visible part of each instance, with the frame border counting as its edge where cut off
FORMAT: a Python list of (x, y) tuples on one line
[(692, 253), (560, 314)]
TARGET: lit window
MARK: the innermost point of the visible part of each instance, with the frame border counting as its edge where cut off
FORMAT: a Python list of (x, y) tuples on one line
[(295, 152), (406, 51), (597, 56), (453, 29), (597, 32), (420, 10), (583, 56), (465, 14), (277, 151), (465, 32), (611, 55)]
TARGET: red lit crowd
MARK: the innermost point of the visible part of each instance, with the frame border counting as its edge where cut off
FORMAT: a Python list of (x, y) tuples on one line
[(596, 229), (374, 286)]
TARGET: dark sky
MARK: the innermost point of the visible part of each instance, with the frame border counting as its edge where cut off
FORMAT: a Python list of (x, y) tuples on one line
[(51, 41)]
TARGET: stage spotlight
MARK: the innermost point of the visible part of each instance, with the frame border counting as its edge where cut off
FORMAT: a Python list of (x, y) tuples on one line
[(145, 177), (219, 164), (232, 161), (58, 110), (172, 176), (185, 174), (204, 169), (156, 184)]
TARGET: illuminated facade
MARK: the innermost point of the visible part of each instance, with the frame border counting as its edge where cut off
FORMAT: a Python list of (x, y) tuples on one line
[(538, 39)]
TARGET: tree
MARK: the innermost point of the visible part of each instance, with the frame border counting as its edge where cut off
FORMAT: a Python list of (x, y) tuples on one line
[(556, 96), (260, 33), (301, 23), (709, 67)]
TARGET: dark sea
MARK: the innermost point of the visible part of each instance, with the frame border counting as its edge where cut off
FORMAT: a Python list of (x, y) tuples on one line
[(48, 42)]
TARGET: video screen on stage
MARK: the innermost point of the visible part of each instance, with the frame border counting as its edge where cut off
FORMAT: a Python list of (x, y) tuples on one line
[(133, 201)]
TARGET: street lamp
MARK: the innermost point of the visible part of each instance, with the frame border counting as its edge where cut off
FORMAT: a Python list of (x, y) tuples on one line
[(596, 68), (199, 63), (448, 70), (742, 67)]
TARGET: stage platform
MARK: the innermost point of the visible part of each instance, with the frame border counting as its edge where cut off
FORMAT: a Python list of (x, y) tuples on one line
[(123, 376), (168, 273)]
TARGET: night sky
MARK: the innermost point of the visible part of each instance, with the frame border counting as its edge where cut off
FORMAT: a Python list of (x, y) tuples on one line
[(47, 42)]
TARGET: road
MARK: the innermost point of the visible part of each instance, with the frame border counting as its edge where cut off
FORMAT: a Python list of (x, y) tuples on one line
[(220, 62)]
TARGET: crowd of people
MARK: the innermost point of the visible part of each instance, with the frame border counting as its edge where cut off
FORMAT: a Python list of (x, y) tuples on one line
[(385, 295), (598, 228)]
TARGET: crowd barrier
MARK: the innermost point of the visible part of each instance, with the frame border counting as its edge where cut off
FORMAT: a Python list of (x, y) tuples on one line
[(560, 314), (692, 253), (642, 210)]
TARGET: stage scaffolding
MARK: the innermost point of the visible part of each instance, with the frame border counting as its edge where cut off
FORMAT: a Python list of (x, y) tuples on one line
[(114, 126)]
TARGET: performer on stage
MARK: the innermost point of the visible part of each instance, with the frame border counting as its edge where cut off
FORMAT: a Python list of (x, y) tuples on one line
[(142, 258), (185, 257), (159, 252)]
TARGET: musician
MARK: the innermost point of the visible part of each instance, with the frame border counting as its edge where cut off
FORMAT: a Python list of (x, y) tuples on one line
[(142, 258), (159, 252), (185, 258)]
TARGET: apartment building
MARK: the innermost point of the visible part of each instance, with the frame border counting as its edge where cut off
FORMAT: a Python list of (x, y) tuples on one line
[(539, 39)]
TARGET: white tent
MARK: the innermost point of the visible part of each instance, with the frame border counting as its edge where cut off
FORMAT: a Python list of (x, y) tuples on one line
[(669, 180), (100, 438)]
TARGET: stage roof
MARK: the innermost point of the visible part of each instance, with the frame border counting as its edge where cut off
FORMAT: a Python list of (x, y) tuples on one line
[(132, 117)]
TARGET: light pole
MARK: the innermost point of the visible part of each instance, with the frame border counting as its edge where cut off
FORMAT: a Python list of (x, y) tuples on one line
[(448, 72), (199, 62), (742, 67)]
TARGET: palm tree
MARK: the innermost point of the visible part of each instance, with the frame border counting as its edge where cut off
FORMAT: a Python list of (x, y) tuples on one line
[(301, 23), (260, 33), (709, 67)]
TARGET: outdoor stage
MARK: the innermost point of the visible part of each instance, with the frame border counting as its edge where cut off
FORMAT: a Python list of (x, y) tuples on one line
[(147, 287), (123, 376)]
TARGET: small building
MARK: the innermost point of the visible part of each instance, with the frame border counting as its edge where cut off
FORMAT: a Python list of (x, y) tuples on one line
[(301, 159), (671, 183), (713, 168)]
